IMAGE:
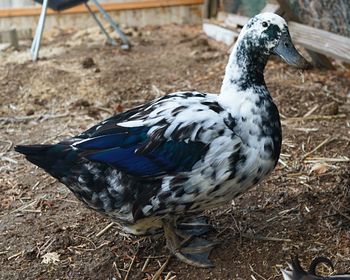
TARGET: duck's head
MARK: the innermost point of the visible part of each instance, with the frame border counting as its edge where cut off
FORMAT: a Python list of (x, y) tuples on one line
[(267, 34)]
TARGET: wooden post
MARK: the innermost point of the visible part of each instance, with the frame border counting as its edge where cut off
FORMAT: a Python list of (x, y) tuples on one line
[(13, 38), (206, 9), (10, 37), (210, 8), (318, 60), (214, 8)]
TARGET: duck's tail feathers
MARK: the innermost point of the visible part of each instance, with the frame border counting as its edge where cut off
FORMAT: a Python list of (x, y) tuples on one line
[(54, 159), (36, 154)]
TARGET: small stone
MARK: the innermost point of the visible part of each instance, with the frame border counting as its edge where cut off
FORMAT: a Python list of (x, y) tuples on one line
[(330, 109), (88, 62), (30, 112), (81, 103)]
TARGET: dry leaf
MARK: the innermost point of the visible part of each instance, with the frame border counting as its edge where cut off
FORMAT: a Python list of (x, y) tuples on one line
[(119, 108), (52, 257), (319, 168)]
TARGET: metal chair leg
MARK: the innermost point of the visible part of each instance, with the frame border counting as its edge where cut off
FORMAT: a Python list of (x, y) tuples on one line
[(109, 38), (39, 32), (35, 39), (126, 43)]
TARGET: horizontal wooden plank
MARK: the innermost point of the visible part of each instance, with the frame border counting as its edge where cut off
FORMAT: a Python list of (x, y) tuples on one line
[(236, 20), (272, 8), (4, 46), (220, 33), (321, 41), (141, 4)]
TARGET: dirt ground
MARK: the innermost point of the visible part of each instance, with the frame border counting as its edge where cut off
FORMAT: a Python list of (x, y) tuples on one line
[(302, 208)]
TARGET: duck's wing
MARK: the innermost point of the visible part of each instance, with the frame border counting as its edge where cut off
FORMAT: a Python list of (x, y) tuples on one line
[(165, 136)]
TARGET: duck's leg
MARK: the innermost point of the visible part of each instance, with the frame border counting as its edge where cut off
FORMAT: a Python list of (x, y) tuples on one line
[(187, 248), (195, 226)]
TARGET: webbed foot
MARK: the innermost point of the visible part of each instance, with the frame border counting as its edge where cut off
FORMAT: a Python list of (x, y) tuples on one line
[(189, 248)]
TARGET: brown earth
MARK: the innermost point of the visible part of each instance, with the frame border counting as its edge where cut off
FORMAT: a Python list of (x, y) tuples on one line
[(302, 208)]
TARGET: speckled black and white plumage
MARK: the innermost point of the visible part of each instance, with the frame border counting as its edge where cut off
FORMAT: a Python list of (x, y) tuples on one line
[(182, 153)]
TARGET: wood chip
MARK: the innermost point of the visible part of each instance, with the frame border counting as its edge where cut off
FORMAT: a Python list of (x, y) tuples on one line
[(320, 168), (104, 230)]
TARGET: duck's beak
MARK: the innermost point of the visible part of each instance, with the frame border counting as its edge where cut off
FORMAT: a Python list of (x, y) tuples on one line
[(286, 50)]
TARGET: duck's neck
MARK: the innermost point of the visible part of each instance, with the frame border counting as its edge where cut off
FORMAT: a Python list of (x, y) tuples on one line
[(245, 68)]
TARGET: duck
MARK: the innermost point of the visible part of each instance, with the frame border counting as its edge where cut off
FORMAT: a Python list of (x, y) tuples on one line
[(296, 272), (158, 166)]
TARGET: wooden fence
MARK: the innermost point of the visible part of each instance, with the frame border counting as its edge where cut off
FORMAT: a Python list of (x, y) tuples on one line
[(320, 44), (127, 12)]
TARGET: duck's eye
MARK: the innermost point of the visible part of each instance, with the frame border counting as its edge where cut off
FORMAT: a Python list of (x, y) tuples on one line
[(265, 24)]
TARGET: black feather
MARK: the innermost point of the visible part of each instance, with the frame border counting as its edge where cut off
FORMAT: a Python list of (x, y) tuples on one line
[(55, 159)]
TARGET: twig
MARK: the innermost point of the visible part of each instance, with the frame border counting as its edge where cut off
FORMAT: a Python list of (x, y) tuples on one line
[(35, 185), (68, 200), (302, 129), (8, 159), (282, 213), (24, 207), (42, 118), (117, 270), (15, 255), (324, 142), (32, 210), (340, 212), (17, 119), (265, 238), (317, 159), (157, 92), (9, 147), (103, 109), (317, 117), (313, 109), (45, 246), (105, 229), (155, 257), (285, 155), (283, 163), (103, 244), (129, 269), (161, 269), (169, 276), (125, 235), (49, 117), (257, 274), (145, 264), (89, 240)]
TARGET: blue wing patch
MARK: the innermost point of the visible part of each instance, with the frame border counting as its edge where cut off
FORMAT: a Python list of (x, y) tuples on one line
[(126, 160), (125, 150), (124, 138)]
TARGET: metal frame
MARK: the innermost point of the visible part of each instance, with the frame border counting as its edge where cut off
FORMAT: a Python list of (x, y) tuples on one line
[(40, 28), (39, 32)]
